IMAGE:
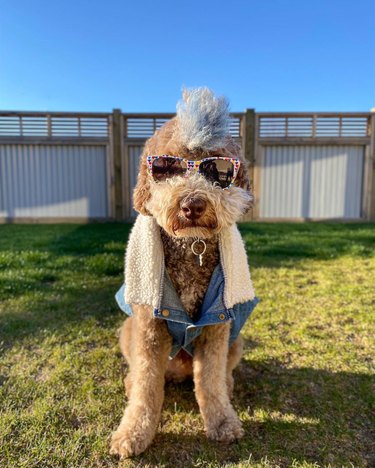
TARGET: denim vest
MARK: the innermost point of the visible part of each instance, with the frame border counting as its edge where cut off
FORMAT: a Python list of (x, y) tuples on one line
[(213, 311)]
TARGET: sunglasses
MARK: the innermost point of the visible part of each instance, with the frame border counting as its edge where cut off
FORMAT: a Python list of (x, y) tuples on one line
[(220, 171)]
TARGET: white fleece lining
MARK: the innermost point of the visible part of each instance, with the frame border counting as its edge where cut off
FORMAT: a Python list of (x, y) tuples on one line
[(144, 265), (238, 286)]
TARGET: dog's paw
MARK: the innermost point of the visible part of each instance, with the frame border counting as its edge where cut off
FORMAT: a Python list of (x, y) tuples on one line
[(226, 430), (127, 443)]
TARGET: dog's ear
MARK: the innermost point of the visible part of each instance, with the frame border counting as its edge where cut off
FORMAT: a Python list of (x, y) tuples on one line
[(142, 190)]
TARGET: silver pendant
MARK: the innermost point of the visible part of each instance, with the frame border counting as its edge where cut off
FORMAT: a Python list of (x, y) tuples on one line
[(199, 255)]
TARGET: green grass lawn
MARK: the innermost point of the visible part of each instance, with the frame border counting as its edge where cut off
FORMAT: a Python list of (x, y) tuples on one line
[(304, 390)]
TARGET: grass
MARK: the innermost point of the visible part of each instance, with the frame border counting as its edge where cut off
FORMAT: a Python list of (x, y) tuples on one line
[(304, 389)]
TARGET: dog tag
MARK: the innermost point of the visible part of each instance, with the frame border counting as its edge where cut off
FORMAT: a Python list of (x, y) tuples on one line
[(199, 259), (198, 256)]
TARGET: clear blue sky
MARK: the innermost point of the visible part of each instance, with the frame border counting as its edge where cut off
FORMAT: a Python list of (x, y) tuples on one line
[(273, 55)]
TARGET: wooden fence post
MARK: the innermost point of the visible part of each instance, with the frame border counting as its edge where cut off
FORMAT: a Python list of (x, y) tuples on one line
[(248, 143), (117, 144)]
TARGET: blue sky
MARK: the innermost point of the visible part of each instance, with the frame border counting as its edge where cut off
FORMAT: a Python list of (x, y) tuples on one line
[(272, 55)]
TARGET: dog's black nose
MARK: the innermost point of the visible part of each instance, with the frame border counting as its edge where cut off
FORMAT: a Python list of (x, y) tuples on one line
[(194, 208)]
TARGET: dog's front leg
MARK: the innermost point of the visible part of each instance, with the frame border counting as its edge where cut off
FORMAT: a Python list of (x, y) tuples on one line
[(151, 344), (210, 378)]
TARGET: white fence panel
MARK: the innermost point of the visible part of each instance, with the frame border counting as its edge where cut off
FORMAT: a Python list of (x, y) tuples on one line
[(52, 181), (320, 181)]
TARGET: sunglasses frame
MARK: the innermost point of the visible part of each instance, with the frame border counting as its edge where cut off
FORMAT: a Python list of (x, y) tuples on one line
[(193, 165)]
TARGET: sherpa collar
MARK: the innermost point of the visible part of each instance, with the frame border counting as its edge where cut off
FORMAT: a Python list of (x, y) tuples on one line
[(144, 265)]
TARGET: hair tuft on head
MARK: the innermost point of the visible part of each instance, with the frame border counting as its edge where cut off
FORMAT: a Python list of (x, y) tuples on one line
[(203, 119)]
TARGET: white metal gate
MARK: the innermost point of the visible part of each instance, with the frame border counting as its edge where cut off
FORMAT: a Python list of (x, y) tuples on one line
[(311, 181)]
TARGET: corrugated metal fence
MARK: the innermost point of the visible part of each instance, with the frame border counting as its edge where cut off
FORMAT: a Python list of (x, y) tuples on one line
[(314, 166), (68, 166), (42, 181), (55, 167), (318, 182)]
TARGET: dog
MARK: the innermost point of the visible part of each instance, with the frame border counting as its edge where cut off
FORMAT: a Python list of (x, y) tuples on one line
[(188, 289)]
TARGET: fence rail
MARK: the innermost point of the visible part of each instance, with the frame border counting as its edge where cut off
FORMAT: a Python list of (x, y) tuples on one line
[(311, 125), (54, 125), (145, 125)]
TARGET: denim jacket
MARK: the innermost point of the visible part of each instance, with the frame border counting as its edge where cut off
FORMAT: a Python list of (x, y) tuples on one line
[(213, 311)]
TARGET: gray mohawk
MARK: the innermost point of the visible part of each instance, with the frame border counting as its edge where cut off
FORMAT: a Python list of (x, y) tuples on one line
[(203, 119)]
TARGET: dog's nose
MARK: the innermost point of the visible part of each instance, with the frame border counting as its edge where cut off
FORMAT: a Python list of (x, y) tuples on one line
[(194, 208)]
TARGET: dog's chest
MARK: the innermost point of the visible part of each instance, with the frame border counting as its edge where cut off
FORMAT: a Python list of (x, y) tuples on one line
[(189, 278)]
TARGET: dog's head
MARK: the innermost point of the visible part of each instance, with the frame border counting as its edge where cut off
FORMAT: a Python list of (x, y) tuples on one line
[(190, 203)]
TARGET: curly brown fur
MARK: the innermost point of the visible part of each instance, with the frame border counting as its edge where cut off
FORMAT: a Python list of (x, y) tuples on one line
[(144, 340), (189, 281)]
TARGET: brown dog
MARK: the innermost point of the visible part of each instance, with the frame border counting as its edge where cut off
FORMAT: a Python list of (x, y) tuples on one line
[(188, 287)]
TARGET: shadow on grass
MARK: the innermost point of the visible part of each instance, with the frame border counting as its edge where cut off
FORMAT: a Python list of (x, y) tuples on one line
[(301, 414), (280, 244), (57, 311), (65, 239), (267, 242), (37, 260)]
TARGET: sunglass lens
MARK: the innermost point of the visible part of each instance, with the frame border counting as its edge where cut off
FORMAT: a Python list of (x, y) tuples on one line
[(217, 171), (164, 168)]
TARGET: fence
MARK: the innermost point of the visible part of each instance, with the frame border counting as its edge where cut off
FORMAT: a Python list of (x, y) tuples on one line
[(314, 166), (79, 166)]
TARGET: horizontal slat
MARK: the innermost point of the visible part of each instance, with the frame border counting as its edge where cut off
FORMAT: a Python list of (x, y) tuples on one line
[(311, 114), (144, 126), (313, 126), (56, 125)]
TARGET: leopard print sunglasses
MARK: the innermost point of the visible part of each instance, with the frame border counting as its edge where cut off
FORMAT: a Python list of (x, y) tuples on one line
[(220, 171)]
